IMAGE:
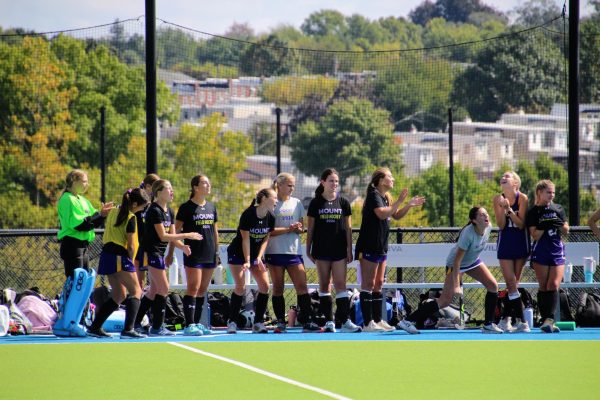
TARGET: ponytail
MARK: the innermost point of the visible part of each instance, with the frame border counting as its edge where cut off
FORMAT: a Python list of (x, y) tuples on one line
[(138, 196), (472, 215), (195, 182), (377, 176), (262, 193)]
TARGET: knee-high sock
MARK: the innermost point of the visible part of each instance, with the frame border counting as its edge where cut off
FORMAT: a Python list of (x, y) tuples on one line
[(198, 310), (326, 306), (102, 315), (278, 307), (158, 311), (234, 307), (491, 301), (133, 306), (376, 306), (189, 309), (306, 312), (366, 307), (261, 306), (342, 309), (145, 305)]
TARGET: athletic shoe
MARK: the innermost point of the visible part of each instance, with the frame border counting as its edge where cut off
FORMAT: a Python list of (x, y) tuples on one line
[(350, 327), (311, 327), (506, 325), (329, 327), (203, 329), (280, 328), (231, 327), (491, 328), (192, 330), (142, 329), (549, 327), (386, 327), (98, 333), (132, 334), (521, 326), (407, 326), (372, 327), (162, 331), (259, 327)]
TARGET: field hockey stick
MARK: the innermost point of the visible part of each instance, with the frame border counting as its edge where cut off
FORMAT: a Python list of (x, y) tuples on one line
[(461, 308)]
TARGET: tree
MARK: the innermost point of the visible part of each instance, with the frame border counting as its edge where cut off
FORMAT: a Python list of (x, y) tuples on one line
[(325, 23), (353, 136), (589, 66), (292, 90), (450, 10), (434, 184), (415, 86), (220, 155), (267, 57), (511, 74), (536, 12)]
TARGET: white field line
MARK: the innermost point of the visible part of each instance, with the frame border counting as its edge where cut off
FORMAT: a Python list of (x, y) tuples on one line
[(326, 393)]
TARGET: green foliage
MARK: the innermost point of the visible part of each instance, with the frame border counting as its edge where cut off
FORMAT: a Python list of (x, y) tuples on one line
[(353, 136), (589, 66), (293, 90)]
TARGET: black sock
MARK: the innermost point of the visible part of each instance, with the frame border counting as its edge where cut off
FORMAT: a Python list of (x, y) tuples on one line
[(158, 311), (517, 308), (366, 307), (491, 301), (102, 315), (543, 304), (133, 305), (507, 303), (305, 314), (145, 304), (342, 309), (279, 307), (424, 311), (376, 306), (540, 303), (198, 310), (189, 309), (261, 306), (552, 300), (326, 307), (234, 307)]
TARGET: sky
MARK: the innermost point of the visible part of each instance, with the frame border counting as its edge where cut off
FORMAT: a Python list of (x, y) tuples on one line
[(207, 16)]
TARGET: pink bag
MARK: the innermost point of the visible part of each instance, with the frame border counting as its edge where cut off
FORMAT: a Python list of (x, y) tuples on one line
[(39, 312)]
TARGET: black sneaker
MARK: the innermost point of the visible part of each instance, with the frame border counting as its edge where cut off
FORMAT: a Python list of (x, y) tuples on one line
[(311, 327), (132, 335), (98, 333)]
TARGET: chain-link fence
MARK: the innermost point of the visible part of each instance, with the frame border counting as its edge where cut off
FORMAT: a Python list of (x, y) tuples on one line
[(31, 258)]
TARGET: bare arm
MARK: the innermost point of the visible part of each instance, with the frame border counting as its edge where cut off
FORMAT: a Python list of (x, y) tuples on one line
[(349, 254), (593, 223), (500, 208), (246, 248), (414, 202), (309, 235)]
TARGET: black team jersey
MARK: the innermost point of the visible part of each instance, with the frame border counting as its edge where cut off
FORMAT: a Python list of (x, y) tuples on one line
[(258, 229), (374, 232), (156, 215), (329, 233), (201, 219)]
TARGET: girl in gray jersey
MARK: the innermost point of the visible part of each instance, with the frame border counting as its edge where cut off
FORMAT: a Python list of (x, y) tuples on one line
[(283, 253), (464, 258)]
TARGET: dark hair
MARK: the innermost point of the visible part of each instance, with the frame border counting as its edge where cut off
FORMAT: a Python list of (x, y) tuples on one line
[(195, 182), (158, 185), (149, 180), (472, 215), (324, 175), (377, 176), (138, 196), (262, 193)]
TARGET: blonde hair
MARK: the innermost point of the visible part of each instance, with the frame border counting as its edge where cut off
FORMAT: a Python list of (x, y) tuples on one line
[(74, 176), (543, 185), (516, 177), (281, 179)]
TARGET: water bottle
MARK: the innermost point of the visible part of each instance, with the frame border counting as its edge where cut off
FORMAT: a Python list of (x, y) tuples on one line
[(292, 313), (528, 315), (218, 275)]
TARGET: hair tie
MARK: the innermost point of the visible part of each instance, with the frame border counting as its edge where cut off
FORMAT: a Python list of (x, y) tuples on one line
[(142, 185), (129, 190)]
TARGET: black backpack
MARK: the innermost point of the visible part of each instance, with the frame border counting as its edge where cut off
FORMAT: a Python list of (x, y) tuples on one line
[(219, 308), (565, 306), (588, 310), (174, 310), (526, 299)]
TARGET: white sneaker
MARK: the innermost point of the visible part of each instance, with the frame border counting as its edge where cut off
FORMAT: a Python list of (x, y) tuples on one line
[(372, 327), (407, 326), (259, 327), (385, 326), (491, 328), (231, 327), (506, 325), (329, 327), (350, 327), (549, 327), (521, 326)]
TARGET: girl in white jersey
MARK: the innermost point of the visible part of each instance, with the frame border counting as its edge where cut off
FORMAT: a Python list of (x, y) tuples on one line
[(464, 258)]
